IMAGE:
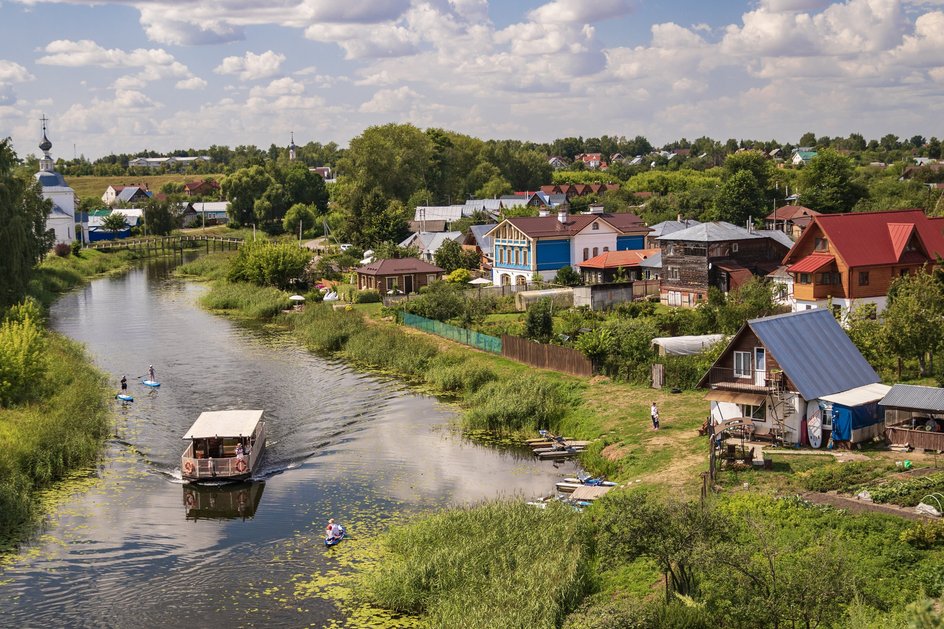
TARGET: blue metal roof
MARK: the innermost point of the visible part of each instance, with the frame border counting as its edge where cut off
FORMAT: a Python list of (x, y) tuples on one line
[(478, 232), (814, 352)]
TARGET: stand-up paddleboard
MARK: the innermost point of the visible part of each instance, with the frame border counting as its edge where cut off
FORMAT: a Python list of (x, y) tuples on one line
[(124, 397), (151, 383)]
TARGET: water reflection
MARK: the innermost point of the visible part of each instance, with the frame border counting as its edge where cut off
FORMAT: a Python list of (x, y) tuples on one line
[(231, 501)]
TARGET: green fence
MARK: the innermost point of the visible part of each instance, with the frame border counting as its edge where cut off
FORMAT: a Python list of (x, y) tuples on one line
[(460, 335)]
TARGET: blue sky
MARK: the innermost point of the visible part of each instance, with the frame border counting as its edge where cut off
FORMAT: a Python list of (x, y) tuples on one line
[(128, 75)]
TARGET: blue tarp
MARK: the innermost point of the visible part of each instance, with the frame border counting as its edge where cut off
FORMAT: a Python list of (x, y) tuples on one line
[(95, 235), (846, 419)]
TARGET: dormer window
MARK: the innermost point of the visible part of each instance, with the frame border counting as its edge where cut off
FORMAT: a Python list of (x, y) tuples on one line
[(596, 226), (821, 244)]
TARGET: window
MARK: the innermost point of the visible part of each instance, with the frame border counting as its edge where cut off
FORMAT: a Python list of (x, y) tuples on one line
[(595, 227), (742, 364), (517, 256), (734, 247), (596, 250), (430, 278), (501, 255), (586, 254), (821, 244), (804, 278), (756, 413), (829, 278), (863, 278), (391, 282), (605, 249), (673, 273)]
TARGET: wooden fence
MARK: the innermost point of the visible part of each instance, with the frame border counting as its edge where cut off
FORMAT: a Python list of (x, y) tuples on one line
[(546, 356)]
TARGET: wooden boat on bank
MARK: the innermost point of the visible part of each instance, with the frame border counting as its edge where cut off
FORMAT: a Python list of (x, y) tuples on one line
[(224, 445)]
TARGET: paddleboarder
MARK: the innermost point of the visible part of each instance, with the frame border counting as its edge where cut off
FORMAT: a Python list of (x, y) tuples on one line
[(124, 384), (151, 373)]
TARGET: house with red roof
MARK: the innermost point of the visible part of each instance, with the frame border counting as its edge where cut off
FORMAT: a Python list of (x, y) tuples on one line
[(852, 259), (207, 187), (614, 266), (541, 245)]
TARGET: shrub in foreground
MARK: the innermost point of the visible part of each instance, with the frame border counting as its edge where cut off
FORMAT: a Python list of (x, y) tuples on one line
[(501, 563)]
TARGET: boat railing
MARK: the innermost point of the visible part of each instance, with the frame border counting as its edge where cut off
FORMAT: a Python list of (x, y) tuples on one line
[(194, 467)]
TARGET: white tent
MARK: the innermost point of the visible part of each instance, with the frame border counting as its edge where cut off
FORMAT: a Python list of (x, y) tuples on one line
[(685, 345)]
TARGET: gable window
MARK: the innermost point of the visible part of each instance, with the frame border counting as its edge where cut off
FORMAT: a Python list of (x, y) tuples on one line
[(595, 227), (821, 244), (586, 254), (742, 364), (863, 278)]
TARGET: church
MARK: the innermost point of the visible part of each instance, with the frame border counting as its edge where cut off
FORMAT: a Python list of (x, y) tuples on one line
[(61, 217)]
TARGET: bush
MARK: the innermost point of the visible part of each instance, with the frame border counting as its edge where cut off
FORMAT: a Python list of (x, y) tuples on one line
[(517, 404), (324, 329), (22, 360), (924, 535), (441, 301), (390, 349), (62, 249), (526, 568), (454, 373), (269, 264), (369, 296), (76, 247)]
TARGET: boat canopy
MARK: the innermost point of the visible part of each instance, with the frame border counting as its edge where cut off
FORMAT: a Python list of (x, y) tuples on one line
[(224, 424)]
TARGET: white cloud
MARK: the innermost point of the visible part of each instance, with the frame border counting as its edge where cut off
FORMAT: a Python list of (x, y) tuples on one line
[(156, 62), (581, 11), (380, 40), (12, 72), (251, 66), (387, 101), (279, 87), (193, 83)]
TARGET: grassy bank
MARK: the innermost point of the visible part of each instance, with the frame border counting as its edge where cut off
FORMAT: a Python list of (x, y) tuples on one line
[(44, 440), (56, 275)]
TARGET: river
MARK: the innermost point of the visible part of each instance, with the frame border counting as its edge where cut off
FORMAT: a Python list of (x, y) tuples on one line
[(134, 546)]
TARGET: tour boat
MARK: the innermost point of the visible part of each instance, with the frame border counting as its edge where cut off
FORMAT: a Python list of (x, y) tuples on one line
[(224, 445)]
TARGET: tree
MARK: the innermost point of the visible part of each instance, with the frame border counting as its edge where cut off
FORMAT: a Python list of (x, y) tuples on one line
[(567, 276), (808, 139), (450, 257), (739, 198), (827, 184), (242, 189), (24, 239), (160, 218), (300, 185), (539, 321), (299, 214), (755, 162), (391, 158), (914, 318), (389, 249), (269, 264), (115, 222)]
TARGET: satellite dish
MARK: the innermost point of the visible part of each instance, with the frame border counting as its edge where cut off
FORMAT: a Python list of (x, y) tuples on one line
[(814, 429)]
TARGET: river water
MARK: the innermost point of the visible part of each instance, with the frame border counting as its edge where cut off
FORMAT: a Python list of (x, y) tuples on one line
[(134, 546)]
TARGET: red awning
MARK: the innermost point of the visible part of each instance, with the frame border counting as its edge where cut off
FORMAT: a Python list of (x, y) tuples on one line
[(811, 263)]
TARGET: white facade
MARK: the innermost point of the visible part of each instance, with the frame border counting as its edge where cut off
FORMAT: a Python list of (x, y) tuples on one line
[(841, 302), (721, 411), (61, 218), (595, 241)]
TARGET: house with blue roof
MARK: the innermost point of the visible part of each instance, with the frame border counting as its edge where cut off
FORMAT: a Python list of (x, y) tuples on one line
[(783, 375)]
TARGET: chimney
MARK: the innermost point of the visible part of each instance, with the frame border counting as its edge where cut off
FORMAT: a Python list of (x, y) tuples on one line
[(543, 212), (562, 214)]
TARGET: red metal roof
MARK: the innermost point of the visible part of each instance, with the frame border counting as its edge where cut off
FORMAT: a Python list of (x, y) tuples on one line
[(811, 263), (738, 274), (868, 239), (616, 259), (538, 226)]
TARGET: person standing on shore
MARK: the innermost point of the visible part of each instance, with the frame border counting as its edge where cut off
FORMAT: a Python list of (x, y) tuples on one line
[(654, 414)]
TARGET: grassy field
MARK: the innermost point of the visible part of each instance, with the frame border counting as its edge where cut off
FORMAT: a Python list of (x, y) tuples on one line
[(95, 186)]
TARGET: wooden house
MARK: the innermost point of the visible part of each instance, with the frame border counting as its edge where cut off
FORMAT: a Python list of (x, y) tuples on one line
[(404, 275), (715, 254), (853, 258), (777, 371), (790, 219)]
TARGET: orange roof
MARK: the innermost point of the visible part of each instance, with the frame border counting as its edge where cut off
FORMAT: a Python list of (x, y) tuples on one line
[(811, 263), (616, 259)]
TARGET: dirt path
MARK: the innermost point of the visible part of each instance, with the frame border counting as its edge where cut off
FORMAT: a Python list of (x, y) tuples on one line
[(854, 505)]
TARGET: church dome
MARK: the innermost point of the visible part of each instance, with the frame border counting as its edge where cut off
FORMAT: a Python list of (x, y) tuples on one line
[(45, 145)]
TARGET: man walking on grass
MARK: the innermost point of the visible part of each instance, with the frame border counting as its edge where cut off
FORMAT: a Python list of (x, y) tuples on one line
[(654, 413)]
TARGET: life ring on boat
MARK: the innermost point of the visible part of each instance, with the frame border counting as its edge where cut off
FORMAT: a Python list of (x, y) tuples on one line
[(189, 468), (189, 499), (240, 466)]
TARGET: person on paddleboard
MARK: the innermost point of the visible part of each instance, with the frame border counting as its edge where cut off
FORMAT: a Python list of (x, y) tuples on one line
[(124, 384), (151, 373)]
